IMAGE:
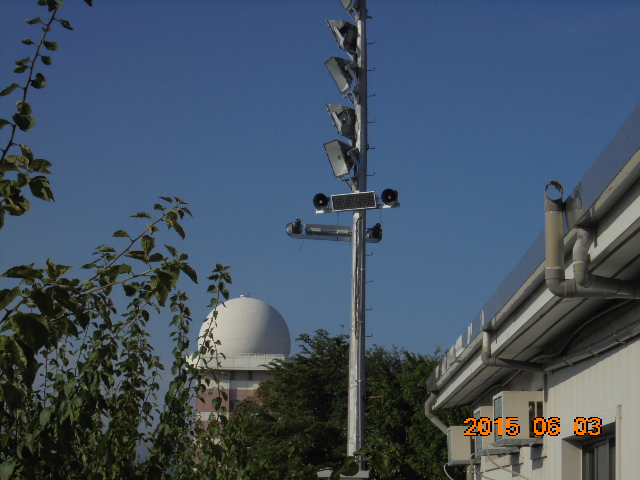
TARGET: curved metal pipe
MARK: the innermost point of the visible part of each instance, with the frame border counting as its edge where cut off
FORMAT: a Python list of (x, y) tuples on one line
[(490, 361), (620, 336), (584, 284), (428, 411)]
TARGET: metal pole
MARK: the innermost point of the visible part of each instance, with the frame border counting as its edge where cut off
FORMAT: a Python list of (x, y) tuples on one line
[(356, 425)]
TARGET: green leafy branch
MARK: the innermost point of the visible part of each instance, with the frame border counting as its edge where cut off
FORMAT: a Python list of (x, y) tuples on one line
[(12, 200)]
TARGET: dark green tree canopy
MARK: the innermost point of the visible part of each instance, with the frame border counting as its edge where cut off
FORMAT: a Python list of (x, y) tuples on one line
[(297, 420)]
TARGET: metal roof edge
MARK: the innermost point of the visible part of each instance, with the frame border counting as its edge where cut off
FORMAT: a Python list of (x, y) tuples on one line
[(589, 191)]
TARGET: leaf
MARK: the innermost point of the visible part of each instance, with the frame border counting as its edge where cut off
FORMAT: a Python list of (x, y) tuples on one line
[(54, 271), (7, 296), (30, 330), (190, 272), (49, 45), (24, 122), (44, 302), (147, 243), (41, 188), (6, 469), (34, 21), (20, 69), (156, 257), (141, 214), (26, 151), (129, 290), (167, 199), (121, 233), (23, 108), (65, 24), (4, 123), (45, 415), (27, 41), (172, 222), (46, 59), (23, 271), (124, 268), (39, 81), (172, 250), (9, 89), (136, 255), (40, 165), (89, 2)]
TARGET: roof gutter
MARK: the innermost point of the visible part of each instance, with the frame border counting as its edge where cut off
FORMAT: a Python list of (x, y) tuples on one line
[(584, 284)]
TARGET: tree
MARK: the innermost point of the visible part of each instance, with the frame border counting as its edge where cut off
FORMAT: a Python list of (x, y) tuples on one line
[(299, 426), (297, 420), (395, 414), (24, 166), (79, 379)]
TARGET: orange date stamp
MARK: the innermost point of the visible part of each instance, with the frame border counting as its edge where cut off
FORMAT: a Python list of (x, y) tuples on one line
[(510, 426)]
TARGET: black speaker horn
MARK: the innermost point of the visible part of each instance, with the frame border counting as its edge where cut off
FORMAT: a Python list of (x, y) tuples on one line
[(320, 201), (389, 197)]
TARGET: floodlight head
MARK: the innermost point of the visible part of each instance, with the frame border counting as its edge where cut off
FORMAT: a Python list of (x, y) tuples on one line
[(320, 201), (346, 35), (339, 156), (341, 73), (349, 5), (344, 119), (389, 197), (294, 228)]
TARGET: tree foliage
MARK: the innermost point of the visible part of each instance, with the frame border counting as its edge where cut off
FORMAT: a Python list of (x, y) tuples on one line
[(80, 382), (299, 426), (21, 170), (298, 419)]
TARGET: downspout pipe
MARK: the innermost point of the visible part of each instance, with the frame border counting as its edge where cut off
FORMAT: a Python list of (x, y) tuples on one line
[(490, 361), (428, 411), (584, 284)]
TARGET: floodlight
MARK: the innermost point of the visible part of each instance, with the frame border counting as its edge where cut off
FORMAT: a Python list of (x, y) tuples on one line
[(340, 157), (344, 119), (349, 5), (294, 228), (389, 197), (346, 35), (320, 201), (340, 70)]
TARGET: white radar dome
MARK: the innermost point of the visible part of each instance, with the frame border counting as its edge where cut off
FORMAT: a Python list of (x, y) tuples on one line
[(248, 325)]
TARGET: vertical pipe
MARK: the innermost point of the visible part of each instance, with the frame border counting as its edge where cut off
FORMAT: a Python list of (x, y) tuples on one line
[(357, 378)]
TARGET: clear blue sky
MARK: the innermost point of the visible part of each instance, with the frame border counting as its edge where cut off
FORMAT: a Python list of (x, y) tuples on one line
[(477, 106)]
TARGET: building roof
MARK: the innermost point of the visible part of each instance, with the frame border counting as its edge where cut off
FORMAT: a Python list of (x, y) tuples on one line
[(525, 318), (248, 326)]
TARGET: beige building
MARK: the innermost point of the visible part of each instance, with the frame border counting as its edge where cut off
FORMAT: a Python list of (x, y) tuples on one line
[(252, 334), (551, 364)]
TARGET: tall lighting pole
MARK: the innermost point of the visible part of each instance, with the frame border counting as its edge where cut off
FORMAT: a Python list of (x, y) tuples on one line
[(351, 79), (357, 374)]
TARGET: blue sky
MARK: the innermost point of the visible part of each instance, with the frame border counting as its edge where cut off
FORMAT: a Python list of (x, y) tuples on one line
[(477, 106)]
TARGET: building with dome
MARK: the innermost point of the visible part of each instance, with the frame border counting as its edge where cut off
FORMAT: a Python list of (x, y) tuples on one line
[(252, 334)]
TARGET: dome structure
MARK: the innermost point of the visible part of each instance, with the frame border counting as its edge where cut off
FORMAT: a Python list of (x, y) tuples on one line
[(247, 325)]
